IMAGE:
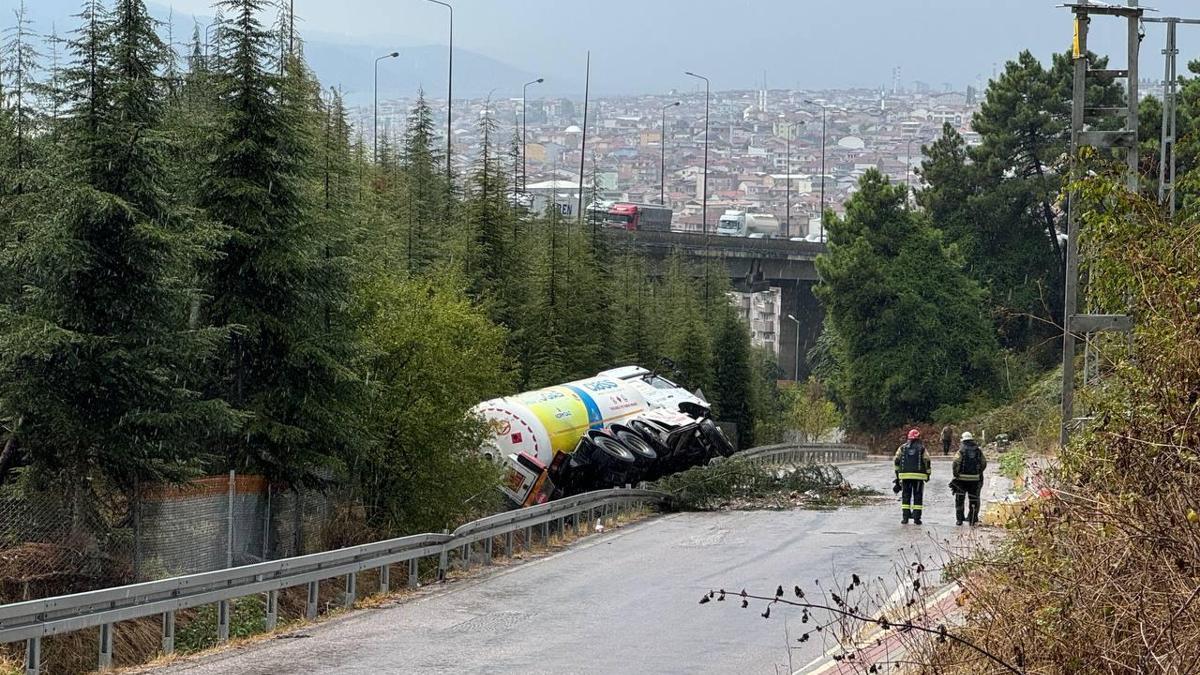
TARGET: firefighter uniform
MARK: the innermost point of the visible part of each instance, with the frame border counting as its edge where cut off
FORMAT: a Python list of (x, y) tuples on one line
[(969, 465), (912, 470)]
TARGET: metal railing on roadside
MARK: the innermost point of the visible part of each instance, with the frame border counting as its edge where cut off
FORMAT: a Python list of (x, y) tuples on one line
[(805, 453), (33, 620)]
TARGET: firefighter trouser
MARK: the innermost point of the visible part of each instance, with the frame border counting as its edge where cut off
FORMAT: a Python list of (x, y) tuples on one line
[(912, 493), (968, 490)]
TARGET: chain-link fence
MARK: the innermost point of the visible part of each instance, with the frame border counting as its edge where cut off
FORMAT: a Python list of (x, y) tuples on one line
[(54, 542), (51, 544)]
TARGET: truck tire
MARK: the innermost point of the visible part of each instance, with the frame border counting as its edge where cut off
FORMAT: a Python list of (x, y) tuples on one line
[(613, 462), (715, 439), (644, 456), (654, 438)]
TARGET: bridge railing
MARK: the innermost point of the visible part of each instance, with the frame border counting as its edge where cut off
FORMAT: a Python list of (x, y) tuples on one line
[(33, 620), (692, 240)]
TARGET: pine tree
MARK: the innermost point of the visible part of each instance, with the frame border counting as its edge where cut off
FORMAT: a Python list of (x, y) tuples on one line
[(488, 250), (912, 329), (19, 60), (732, 395), (272, 281), (425, 204), (97, 368)]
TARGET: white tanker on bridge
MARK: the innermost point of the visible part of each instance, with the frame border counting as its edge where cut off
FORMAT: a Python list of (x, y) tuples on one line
[(617, 428)]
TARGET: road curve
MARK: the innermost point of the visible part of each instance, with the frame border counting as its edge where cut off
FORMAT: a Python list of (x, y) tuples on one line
[(624, 601)]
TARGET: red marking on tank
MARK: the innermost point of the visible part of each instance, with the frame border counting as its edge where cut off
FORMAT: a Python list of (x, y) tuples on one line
[(528, 429)]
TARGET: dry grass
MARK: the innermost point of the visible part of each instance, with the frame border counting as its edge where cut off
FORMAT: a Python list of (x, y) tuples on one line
[(1103, 574)]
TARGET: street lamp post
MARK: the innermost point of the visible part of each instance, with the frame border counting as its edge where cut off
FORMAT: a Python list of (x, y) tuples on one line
[(662, 160), (375, 109), (704, 195), (796, 367), (449, 84), (789, 126), (524, 128), (823, 109), (907, 169)]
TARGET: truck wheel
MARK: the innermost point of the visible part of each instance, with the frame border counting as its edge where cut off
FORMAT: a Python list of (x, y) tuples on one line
[(644, 456), (715, 438), (652, 436), (614, 462)]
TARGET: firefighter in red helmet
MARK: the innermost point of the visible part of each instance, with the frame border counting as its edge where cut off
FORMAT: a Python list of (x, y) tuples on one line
[(912, 471)]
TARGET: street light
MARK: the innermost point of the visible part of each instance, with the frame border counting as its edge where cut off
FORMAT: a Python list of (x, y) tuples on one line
[(788, 160), (524, 128), (796, 367), (907, 169), (375, 124), (662, 160), (449, 84), (823, 109), (704, 196)]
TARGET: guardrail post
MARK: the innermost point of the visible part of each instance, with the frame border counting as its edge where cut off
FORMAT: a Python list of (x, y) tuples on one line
[(310, 606), (508, 544), (168, 632), (33, 656), (351, 590), (414, 573), (466, 555), (223, 621), (546, 533), (487, 551), (272, 618), (106, 647), (385, 578), (443, 560), (528, 539)]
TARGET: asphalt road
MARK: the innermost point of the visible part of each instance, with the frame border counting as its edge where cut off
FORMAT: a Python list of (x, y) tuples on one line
[(625, 601)]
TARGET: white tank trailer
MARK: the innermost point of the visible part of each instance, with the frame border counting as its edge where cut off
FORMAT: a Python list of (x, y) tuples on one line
[(736, 223), (617, 428)]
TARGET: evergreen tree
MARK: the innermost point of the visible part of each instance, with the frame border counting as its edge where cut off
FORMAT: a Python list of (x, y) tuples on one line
[(424, 204), (97, 368), (489, 249), (912, 328), (19, 60), (281, 367), (732, 395), (998, 202)]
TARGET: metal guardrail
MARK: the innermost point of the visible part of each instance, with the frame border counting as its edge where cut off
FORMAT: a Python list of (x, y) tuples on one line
[(805, 453), (32, 620)]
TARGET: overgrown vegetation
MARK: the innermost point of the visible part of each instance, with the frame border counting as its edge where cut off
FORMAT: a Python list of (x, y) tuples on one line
[(738, 483), (1108, 560)]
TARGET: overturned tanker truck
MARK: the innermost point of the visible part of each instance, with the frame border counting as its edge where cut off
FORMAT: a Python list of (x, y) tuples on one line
[(620, 427)]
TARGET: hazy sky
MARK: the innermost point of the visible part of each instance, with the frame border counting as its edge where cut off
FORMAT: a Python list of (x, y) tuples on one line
[(647, 43), (644, 45)]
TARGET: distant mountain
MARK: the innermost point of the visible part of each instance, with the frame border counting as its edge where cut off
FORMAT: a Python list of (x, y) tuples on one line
[(341, 62)]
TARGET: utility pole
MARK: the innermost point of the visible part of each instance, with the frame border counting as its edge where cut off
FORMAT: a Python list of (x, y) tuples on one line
[(1087, 324), (1166, 163)]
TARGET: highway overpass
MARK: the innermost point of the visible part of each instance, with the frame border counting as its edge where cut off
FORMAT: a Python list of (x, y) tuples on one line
[(754, 264)]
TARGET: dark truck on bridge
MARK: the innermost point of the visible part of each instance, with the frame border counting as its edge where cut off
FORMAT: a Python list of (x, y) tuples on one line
[(620, 427)]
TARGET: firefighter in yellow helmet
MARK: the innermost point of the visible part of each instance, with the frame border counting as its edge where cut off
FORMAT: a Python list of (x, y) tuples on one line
[(912, 471)]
